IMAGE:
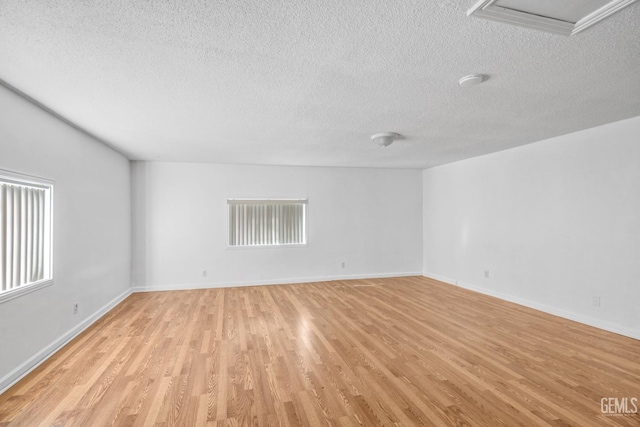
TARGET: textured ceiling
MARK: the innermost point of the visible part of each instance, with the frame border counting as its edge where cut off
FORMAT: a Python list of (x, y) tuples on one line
[(308, 82)]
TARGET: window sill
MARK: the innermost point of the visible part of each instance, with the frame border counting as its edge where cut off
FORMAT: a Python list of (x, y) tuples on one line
[(23, 290), (251, 247)]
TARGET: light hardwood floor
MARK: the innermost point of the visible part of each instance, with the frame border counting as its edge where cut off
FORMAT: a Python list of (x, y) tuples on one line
[(402, 351)]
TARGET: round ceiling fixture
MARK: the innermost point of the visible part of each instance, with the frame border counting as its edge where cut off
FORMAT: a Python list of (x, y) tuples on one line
[(472, 79), (385, 138)]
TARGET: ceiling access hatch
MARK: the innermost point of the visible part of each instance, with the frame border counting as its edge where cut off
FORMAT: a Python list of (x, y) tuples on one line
[(567, 17)]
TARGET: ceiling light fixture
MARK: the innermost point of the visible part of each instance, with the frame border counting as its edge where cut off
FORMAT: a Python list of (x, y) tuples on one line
[(385, 138), (472, 79)]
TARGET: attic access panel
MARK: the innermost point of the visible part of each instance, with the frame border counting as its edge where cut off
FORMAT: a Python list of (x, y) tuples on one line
[(565, 17)]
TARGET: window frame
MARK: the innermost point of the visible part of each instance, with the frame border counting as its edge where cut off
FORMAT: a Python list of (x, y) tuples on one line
[(47, 184), (304, 200)]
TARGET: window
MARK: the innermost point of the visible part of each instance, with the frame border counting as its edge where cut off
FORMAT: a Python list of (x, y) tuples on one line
[(25, 234), (267, 222)]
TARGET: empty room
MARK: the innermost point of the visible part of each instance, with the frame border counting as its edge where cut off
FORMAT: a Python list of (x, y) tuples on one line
[(319, 213)]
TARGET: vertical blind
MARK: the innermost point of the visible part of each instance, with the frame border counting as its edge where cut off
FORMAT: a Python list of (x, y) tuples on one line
[(267, 222), (24, 235)]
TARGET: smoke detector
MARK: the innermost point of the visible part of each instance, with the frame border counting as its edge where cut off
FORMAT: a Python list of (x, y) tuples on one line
[(472, 79), (385, 138)]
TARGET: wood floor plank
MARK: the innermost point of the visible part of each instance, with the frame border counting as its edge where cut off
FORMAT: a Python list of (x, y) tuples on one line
[(399, 351)]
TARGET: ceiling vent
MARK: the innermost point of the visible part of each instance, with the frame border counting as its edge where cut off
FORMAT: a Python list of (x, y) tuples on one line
[(567, 17)]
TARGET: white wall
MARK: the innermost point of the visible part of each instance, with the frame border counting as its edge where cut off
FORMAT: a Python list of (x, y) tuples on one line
[(369, 218), (91, 232), (555, 223)]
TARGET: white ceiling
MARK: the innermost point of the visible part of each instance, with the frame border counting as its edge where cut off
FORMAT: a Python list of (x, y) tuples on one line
[(307, 82)]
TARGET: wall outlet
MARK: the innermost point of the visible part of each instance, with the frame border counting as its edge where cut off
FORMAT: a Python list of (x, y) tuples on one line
[(204, 273), (595, 301), (75, 308), (343, 265), (486, 274)]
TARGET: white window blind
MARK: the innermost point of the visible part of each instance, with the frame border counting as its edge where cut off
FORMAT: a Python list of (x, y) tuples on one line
[(273, 222), (25, 232)]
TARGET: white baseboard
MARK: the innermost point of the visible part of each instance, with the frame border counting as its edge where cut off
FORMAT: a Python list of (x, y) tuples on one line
[(580, 318), (440, 278), (210, 285), (33, 362)]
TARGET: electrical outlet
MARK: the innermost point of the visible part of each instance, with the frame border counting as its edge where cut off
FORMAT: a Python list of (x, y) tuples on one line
[(75, 308), (204, 273), (595, 301), (486, 274), (344, 264)]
